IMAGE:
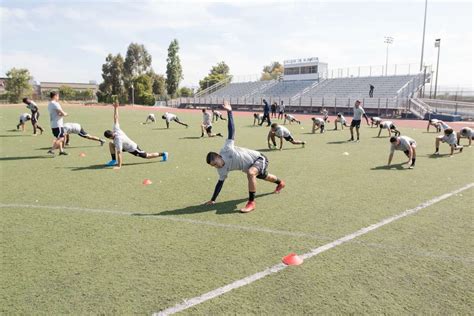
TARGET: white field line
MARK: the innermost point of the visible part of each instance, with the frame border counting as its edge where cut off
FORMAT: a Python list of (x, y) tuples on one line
[(280, 266), (170, 218)]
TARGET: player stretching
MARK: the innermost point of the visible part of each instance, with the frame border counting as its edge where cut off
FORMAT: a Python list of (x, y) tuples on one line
[(75, 128), (206, 125), (435, 123), (168, 117), (325, 114), (375, 121), (25, 117), (281, 132), (356, 119), (257, 118), (34, 115), (291, 119), (390, 127), (340, 119), (405, 144), (216, 115), (466, 132), (450, 138), (121, 143), (231, 157), (318, 123), (151, 118)]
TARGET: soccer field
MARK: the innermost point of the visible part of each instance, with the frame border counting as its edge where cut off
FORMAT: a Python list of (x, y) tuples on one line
[(81, 238)]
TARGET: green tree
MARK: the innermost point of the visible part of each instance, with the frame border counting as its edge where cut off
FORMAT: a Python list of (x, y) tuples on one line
[(159, 84), (67, 93), (272, 71), (143, 88), (217, 73), (174, 72), (185, 92), (137, 62), (18, 84), (113, 75)]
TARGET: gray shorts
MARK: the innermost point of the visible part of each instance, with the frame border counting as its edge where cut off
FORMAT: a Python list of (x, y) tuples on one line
[(261, 164)]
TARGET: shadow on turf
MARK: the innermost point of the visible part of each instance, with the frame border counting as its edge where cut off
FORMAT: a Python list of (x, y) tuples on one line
[(15, 135), (398, 166), (191, 137), (338, 142), (221, 208), (103, 166), (24, 158), (287, 148), (67, 147)]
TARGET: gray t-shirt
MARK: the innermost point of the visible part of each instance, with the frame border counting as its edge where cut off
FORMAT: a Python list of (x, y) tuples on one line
[(358, 113), (32, 106), (467, 132), (405, 143), (55, 119), (236, 158), (386, 124), (25, 117), (206, 119), (72, 128), (450, 139), (169, 117), (282, 131), (122, 142), (318, 121)]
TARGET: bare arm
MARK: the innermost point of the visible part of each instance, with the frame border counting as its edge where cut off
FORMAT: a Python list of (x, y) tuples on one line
[(390, 157), (410, 155), (281, 142), (119, 160), (116, 115)]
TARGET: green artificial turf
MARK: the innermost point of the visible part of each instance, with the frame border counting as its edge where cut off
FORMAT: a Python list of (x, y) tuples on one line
[(81, 247)]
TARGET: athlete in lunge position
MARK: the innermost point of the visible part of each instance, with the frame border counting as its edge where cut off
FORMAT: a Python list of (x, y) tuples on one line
[(25, 117), (34, 114), (216, 115), (318, 123), (291, 119), (281, 132), (466, 132), (76, 128), (405, 144), (168, 117), (450, 138), (121, 143), (390, 127), (231, 157)]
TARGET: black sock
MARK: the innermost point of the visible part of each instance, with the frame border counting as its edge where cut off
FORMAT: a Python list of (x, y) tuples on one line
[(113, 156), (413, 161), (251, 196), (437, 149), (278, 181)]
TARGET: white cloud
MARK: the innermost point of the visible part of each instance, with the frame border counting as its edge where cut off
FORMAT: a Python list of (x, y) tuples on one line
[(94, 49)]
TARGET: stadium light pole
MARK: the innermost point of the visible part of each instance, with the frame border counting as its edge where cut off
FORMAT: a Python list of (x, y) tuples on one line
[(388, 40), (423, 41), (437, 44)]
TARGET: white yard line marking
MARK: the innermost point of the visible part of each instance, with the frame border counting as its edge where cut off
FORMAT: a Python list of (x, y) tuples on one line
[(170, 218), (280, 266)]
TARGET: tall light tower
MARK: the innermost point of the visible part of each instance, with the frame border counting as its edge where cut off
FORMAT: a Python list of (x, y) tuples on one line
[(423, 41), (437, 44), (388, 40)]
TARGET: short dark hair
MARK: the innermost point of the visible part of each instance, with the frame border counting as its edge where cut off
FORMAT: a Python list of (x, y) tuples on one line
[(393, 139), (52, 94), (108, 133), (313, 118), (211, 156), (274, 125), (25, 100), (163, 117), (204, 110), (448, 131)]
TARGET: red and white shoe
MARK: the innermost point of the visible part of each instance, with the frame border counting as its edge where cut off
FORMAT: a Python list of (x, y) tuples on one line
[(280, 187), (249, 207)]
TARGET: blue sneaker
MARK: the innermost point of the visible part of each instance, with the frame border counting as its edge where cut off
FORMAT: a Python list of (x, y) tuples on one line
[(165, 156), (111, 163)]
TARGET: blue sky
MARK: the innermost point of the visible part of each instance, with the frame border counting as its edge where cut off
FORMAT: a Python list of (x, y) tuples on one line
[(68, 40)]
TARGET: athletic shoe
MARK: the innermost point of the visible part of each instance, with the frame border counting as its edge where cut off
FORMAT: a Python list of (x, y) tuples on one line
[(111, 163), (102, 142), (202, 135), (351, 140), (67, 144), (165, 156), (280, 186), (304, 143), (411, 167), (50, 152), (460, 149), (219, 134), (63, 153), (436, 153), (249, 207)]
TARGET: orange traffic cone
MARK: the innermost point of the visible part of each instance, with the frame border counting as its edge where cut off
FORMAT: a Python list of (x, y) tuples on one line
[(147, 182), (82, 155), (292, 260)]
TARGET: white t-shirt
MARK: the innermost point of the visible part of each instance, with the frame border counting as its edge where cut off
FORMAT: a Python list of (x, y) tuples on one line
[(443, 125), (169, 117), (72, 128), (450, 139), (290, 117), (122, 142), (358, 112), (405, 143), (25, 117), (151, 116), (467, 132), (376, 119), (32, 106), (55, 119), (259, 116), (386, 124), (341, 119), (217, 113), (236, 158), (206, 119), (282, 131), (434, 121), (281, 108), (318, 121)]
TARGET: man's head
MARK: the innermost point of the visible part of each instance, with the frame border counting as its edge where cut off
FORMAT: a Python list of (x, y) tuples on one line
[(163, 117), (274, 127), (313, 118), (448, 131), (213, 110), (357, 103), (54, 96), (395, 140), (255, 115), (109, 134), (26, 100), (339, 114), (215, 160), (203, 110)]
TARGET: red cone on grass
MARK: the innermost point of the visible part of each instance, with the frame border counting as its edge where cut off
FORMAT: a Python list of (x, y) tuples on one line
[(147, 182), (292, 260), (82, 155)]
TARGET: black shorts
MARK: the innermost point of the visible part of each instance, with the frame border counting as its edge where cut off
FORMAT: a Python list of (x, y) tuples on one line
[(261, 164), (34, 117), (138, 152), (58, 132), (355, 123), (209, 129), (289, 138), (82, 133)]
